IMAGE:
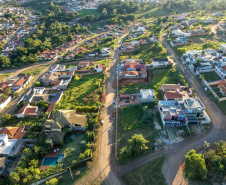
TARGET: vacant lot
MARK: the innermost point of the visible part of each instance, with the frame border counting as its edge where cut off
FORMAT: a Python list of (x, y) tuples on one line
[(85, 12), (210, 76), (3, 76), (32, 71), (84, 91), (147, 174), (72, 147), (202, 39)]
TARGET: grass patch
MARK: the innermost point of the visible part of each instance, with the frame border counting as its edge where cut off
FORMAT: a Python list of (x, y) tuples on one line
[(18, 122), (211, 76), (149, 173), (4, 75), (85, 12), (72, 147), (70, 65), (221, 104), (32, 71), (84, 91), (105, 62)]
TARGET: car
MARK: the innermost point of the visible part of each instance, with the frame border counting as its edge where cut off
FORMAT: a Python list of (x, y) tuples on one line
[(102, 122), (205, 89)]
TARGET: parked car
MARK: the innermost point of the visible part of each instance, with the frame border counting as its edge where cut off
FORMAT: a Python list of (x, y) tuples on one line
[(102, 122)]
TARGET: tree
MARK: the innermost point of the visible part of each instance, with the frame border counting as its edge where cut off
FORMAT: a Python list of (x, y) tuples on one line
[(195, 167), (4, 62), (5, 118), (104, 11), (137, 145), (14, 178), (203, 52), (53, 181)]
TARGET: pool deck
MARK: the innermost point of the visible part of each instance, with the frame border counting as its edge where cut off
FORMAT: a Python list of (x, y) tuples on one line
[(51, 154)]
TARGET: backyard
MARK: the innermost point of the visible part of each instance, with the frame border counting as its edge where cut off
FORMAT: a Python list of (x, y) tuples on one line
[(72, 147), (210, 76), (83, 91), (149, 173)]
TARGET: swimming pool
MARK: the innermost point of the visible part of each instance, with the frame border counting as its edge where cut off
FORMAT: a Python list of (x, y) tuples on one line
[(53, 161)]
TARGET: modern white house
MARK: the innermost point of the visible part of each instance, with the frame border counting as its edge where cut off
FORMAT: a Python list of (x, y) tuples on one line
[(5, 102), (159, 62), (147, 95), (105, 51), (7, 146)]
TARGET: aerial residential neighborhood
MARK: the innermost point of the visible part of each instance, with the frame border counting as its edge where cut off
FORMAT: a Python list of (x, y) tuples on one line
[(112, 92)]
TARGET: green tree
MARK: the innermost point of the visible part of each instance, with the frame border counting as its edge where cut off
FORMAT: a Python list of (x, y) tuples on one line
[(137, 145), (53, 181), (4, 62), (5, 118), (14, 178), (105, 12), (195, 167)]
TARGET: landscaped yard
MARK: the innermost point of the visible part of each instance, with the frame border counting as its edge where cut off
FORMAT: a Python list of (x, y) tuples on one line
[(72, 147), (84, 91), (147, 174), (211, 76)]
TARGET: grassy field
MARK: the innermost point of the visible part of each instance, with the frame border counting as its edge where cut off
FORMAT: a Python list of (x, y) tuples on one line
[(72, 147), (221, 104), (3, 76), (84, 91), (105, 62), (131, 121), (147, 174), (85, 12), (146, 52), (33, 71), (211, 76)]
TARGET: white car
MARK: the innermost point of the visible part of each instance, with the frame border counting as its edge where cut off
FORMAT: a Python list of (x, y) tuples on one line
[(102, 122)]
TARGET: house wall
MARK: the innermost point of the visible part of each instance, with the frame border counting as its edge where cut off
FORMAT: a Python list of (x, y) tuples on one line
[(2, 105)]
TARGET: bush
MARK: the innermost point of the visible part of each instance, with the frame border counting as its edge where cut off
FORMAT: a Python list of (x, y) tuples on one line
[(53, 181)]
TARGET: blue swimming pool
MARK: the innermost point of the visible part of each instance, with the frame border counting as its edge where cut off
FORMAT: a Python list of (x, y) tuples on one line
[(53, 161)]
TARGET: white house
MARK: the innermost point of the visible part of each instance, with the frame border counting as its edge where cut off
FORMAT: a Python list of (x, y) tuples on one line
[(5, 102), (159, 62), (99, 68), (7, 146), (223, 47), (105, 52), (27, 110), (178, 32), (147, 95)]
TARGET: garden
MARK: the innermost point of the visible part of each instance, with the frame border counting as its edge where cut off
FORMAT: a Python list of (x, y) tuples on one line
[(83, 91), (210, 76)]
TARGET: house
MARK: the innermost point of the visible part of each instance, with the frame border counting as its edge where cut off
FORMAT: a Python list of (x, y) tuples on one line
[(175, 92), (92, 54), (223, 48), (159, 62), (147, 95), (20, 83), (67, 119), (83, 64), (222, 87), (195, 111), (3, 161), (105, 52), (171, 113), (99, 68), (13, 132), (134, 70), (27, 110), (7, 146), (178, 32), (5, 101), (56, 137), (182, 39), (130, 74), (221, 71)]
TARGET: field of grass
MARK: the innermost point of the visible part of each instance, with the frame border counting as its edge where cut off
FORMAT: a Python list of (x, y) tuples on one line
[(72, 147), (147, 52), (211, 76), (221, 104), (85, 12), (135, 119), (105, 62), (32, 71), (84, 91), (3, 76), (71, 65), (149, 173)]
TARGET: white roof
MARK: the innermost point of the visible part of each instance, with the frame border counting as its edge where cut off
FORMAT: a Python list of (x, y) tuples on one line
[(7, 148), (147, 93)]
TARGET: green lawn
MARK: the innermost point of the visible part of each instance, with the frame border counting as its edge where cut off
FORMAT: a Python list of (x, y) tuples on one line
[(105, 62), (71, 65), (147, 174), (85, 12), (210, 76), (221, 104), (72, 147), (84, 91), (4, 75), (32, 71)]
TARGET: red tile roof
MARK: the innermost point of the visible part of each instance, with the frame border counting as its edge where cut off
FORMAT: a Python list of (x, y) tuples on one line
[(10, 131), (22, 109), (57, 83), (20, 133), (172, 95), (19, 82), (31, 110), (130, 73), (50, 108), (222, 85)]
